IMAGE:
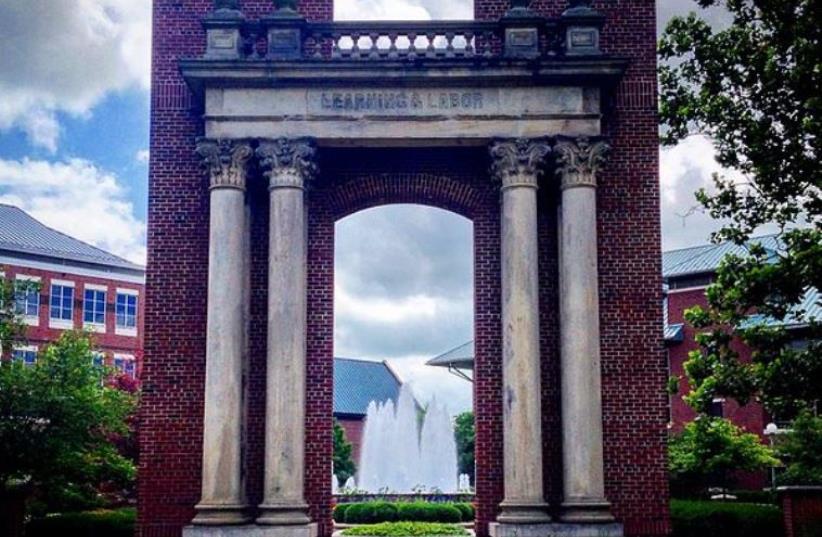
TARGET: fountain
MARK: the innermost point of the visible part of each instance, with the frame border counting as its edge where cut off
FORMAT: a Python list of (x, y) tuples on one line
[(398, 456)]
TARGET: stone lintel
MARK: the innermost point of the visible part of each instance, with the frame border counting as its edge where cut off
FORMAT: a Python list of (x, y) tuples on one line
[(555, 530), (307, 530), (367, 116)]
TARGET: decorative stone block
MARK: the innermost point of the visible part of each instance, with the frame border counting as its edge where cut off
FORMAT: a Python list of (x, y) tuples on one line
[(522, 42), (555, 530), (308, 530), (582, 40)]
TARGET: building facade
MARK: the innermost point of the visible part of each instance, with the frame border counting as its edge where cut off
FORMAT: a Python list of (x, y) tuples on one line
[(356, 384), (297, 122), (66, 284)]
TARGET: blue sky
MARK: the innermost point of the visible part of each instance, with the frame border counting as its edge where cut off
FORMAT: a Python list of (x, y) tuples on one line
[(74, 80)]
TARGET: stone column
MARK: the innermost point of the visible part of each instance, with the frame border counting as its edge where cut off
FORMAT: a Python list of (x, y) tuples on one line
[(223, 500), (578, 162), (517, 164), (289, 165)]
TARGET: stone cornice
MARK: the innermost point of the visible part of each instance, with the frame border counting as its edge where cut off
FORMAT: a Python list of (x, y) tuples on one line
[(288, 163), (579, 161), (519, 162), (225, 162)]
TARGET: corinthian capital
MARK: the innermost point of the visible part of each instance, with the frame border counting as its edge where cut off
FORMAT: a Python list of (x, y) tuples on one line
[(579, 160), (288, 163), (225, 161), (518, 162)]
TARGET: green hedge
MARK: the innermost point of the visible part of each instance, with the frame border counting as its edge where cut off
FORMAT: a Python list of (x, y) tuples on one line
[(692, 518), (118, 523), (405, 529), (381, 511)]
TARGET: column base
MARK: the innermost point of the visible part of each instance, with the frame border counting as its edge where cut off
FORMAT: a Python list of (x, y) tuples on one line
[(595, 511), (283, 515), (523, 512), (497, 529), (307, 530), (221, 515)]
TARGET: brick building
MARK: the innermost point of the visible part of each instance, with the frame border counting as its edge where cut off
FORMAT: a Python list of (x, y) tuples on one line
[(72, 285), (356, 384), (538, 97), (687, 274)]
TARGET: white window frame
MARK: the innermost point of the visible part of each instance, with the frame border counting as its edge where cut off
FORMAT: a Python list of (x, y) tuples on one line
[(125, 358), (127, 330), (62, 324), (30, 320), (25, 348), (91, 326)]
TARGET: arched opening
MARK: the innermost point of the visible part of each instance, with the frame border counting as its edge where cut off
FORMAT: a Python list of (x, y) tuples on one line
[(403, 295), (371, 183)]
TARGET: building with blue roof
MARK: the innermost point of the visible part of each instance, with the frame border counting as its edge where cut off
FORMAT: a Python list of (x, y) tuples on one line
[(356, 384)]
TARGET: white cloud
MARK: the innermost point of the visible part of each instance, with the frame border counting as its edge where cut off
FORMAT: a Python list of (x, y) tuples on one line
[(77, 198), (65, 56), (684, 169), (142, 156), (403, 9)]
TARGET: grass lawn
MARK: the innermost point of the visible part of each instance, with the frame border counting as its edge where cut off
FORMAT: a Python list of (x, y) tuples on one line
[(405, 529)]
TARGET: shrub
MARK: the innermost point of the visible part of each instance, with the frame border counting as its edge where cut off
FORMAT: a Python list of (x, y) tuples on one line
[(358, 513), (412, 510), (118, 523), (467, 511), (443, 512), (723, 519), (339, 511), (405, 529), (385, 512)]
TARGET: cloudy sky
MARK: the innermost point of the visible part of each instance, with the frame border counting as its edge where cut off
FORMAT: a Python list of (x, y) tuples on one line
[(74, 81)]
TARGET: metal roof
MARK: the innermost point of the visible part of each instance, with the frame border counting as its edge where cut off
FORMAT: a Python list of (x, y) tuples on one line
[(358, 382), (706, 258), (811, 306), (462, 356), (20, 233)]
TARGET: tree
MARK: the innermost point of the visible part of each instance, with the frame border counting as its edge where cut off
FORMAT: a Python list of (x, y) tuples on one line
[(466, 437), (709, 450), (344, 466), (59, 419), (753, 88)]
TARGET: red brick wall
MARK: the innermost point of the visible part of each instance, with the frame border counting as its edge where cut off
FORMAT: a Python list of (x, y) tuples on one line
[(751, 417), (634, 366), (633, 360), (109, 342), (353, 428), (802, 511)]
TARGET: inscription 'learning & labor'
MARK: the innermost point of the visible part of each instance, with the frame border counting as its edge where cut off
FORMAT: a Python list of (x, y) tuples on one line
[(399, 101)]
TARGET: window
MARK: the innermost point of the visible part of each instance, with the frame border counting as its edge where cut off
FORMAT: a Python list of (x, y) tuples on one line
[(94, 306), (98, 359), (25, 355), (126, 311), (126, 365), (717, 408), (27, 297), (62, 303)]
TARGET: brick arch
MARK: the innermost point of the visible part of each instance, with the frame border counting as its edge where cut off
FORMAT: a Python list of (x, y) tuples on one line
[(461, 185), (434, 190)]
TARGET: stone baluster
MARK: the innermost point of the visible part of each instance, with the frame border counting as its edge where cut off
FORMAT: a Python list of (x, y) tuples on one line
[(223, 500), (578, 162), (288, 165), (517, 164)]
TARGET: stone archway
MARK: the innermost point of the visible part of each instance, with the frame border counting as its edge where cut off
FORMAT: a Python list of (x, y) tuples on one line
[(456, 181)]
